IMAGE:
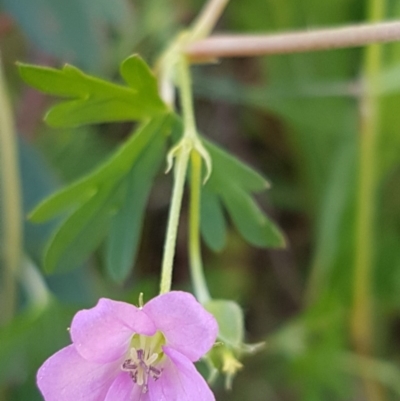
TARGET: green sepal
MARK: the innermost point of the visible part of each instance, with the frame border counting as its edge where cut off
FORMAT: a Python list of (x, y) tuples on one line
[(94, 100), (229, 316), (225, 356)]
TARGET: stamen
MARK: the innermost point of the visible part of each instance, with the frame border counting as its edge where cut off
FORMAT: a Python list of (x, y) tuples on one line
[(145, 352), (134, 355), (151, 359), (155, 373), (128, 365)]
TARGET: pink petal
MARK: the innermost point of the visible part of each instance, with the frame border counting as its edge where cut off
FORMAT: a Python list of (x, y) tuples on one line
[(103, 333), (124, 389), (66, 376), (179, 381), (186, 325)]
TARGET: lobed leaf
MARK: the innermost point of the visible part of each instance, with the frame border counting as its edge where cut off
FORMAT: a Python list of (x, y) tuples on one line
[(243, 175), (126, 224), (213, 224), (80, 233), (117, 166), (232, 184), (250, 220), (94, 100), (101, 201)]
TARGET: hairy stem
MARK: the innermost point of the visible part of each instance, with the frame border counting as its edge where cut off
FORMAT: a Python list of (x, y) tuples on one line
[(181, 163), (201, 28), (11, 205), (294, 42), (362, 318), (189, 144), (185, 88), (196, 264), (182, 153)]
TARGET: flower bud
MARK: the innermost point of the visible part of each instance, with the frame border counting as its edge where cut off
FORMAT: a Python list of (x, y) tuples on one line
[(225, 356)]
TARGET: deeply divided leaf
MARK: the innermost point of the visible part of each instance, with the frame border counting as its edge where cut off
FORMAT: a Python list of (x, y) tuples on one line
[(126, 224), (80, 233), (116, 167), (99, 200), (250, 220), (213, 224), (227, 166), (94, 100), (232, 183)]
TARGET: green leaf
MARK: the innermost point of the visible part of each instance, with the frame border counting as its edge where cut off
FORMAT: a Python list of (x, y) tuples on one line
[(213, 225), (230, 320), (95, 100), (80, 233), (250, 220), (98, 198), (233, 183), (116, 167), (225, 164), (127, 223), (137, 75)]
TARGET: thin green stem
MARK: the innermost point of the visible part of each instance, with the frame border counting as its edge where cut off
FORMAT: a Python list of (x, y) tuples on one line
[(181, 163), (11, 200), (196, 265), (362, 319), (190, 143), (190, 140), (182, 153), (185, 87), (201, 28)]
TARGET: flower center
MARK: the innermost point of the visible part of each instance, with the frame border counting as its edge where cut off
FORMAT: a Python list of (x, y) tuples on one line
[(145, 359)]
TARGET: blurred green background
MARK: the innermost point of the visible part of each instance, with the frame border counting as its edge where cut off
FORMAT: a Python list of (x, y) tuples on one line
[(294, 118)]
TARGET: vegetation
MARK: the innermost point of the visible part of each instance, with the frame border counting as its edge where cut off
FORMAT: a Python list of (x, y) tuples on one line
[(307, 259)]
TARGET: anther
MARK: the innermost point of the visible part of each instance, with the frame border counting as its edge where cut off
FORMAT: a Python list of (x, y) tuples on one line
[(140, 367)]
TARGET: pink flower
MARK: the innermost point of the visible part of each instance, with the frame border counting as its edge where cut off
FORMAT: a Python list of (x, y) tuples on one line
[(123, 353)]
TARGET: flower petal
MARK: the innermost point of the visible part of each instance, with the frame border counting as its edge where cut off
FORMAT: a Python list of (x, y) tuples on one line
[(123, 389), (102, 333), (186, 325), (66, 376), (179, 381)]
